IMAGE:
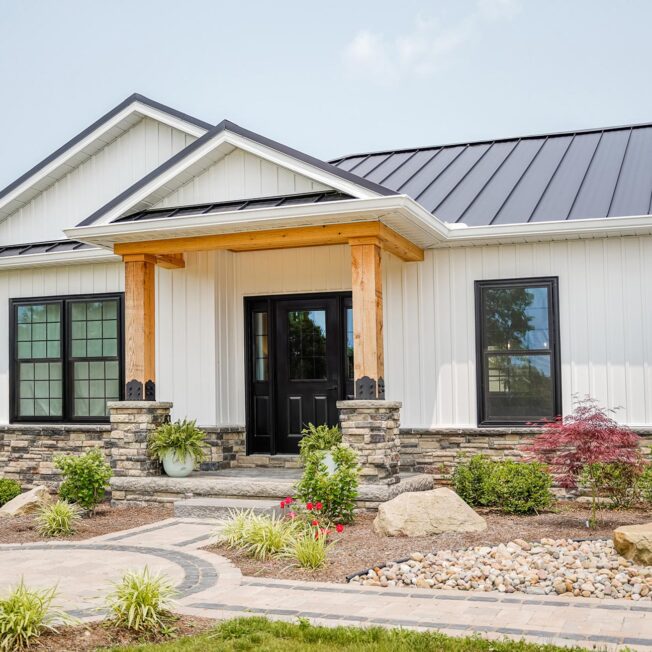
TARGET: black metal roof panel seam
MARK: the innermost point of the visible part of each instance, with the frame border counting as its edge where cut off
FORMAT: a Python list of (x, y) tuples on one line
[(435, 154), (584, 176), (488, 181), (552, 176), (398, 167), (516, 185), (620, 171)]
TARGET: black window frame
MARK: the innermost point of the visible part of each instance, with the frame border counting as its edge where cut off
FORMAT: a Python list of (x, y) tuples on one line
[(66, 358), (552, 284)]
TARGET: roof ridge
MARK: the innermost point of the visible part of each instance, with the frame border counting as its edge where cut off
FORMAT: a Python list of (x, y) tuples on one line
[(487, 141)]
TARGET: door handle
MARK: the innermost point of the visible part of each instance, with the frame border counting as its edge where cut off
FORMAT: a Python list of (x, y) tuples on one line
[(333, 387)]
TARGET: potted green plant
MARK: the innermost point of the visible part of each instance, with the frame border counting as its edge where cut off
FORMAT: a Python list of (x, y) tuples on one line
[(320, 438), (178, 446)]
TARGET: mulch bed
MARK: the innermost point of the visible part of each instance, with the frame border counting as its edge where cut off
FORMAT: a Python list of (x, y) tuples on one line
[(107, 519), (359, 547), (94, 636)]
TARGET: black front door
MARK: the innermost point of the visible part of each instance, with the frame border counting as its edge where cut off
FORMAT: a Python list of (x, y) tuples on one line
[(300, 365)]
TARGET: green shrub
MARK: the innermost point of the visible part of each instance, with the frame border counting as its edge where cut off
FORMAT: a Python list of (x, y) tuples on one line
[(260, 535), (142, 602), (618, 482), (85, 478), (512, 487), (58, 519), (310, 550), (645, 484), (337, 491), (183, 438), (320, 438), (24, 615), (519, 487), (470, 480), (9, 489)]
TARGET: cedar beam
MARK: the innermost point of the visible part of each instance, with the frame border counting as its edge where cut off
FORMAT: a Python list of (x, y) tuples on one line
[(140, 329), (367, 285), (308, 236), (171, 261)]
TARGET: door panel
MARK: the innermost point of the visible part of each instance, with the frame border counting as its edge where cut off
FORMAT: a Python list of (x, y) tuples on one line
[(307, 366), (299, 364)]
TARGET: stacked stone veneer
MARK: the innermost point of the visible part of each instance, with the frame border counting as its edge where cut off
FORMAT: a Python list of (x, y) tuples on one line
[(437, 451), (371, 428), (27, 451)]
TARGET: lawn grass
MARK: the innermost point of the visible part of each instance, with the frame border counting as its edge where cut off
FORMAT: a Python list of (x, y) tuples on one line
[(244, 634)]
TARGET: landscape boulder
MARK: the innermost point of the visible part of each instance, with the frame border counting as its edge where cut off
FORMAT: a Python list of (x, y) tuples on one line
[(634, 542), (26, 503), (423, 513)]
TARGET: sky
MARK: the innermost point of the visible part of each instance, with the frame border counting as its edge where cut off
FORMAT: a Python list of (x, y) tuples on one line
[(328, 78)]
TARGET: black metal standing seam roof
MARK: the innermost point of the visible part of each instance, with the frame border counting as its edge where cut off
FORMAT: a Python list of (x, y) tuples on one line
[(235, 205), (135, 97), (562, 176), (50, 247)]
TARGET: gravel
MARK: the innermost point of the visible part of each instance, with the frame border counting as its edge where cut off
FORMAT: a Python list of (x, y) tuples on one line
[(589, 569)]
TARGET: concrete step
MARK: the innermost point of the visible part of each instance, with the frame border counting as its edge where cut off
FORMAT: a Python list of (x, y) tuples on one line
[(220, 507)]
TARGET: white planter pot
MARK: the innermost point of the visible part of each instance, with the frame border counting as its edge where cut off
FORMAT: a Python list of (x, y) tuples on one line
[(177, 468), (331, 467)]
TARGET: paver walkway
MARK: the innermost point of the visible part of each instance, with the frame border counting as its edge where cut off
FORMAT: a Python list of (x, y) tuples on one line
[(211, 586)]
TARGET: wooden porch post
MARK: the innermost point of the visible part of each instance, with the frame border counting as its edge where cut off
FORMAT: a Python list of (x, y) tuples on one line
[(367, 285), (140, 330)]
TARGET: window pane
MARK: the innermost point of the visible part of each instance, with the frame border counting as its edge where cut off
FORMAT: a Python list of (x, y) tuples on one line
[(38, 331), (92, 387), (261, 353), (307, 344), (519, 387), (39, 389), (516, 318), (349, 344)]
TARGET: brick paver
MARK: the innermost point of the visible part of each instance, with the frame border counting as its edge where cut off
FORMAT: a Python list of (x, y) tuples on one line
[(211, 586)]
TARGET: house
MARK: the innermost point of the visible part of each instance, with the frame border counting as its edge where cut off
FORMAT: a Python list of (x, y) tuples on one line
[(468, 290)]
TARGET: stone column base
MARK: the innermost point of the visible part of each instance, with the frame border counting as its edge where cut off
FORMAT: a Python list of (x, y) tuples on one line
[(371, 428), (131, 424)]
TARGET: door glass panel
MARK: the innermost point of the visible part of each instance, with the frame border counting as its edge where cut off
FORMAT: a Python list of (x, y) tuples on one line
[(348, 360), (261, 342), (307, 344)]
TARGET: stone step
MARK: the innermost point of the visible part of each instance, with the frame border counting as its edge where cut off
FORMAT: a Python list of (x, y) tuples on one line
[(220, 507)]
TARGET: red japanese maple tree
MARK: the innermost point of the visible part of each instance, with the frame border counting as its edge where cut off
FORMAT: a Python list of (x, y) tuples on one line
[(587, 436)]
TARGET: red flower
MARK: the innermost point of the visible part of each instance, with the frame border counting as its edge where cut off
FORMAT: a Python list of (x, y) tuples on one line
[(339, 527), (289, 500), (316, 534), (309, 507), (282, 504), (318, 506), (315, 523)]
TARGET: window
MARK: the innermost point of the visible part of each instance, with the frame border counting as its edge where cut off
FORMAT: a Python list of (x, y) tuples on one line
[(67, 357), (518, 359)]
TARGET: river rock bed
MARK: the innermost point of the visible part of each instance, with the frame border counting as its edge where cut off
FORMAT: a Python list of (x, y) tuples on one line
[(590, 569)]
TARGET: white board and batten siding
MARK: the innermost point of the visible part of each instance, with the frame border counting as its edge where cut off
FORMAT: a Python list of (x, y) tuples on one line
[(95, 182), (605, 306), (430, 364), (237, 175), (43, 282)]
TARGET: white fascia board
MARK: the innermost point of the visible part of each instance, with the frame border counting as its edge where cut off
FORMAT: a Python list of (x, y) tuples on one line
[(135, 107), (348, 210), (85, 256), (554, 230), (300, 167), (170, 120)]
